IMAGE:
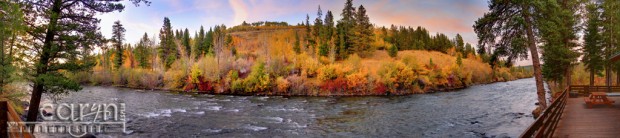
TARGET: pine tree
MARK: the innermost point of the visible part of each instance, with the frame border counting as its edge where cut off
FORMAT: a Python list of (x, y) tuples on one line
[(188, 48), (118, 35), (458, 42), (593, 48), (199, 43), (63, 31), (393, 51), (167, 48), (363, 33), (142, 53), (345, 29), (610, 36), (469, 50), (557, 25), (12, 26), (208, 42)]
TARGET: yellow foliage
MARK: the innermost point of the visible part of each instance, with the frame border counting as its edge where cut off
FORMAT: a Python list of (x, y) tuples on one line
[(357, 81), (175, 77), (282, 84), (332, 71)]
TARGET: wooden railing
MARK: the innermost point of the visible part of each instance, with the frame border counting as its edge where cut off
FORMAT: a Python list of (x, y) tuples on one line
[(17, 129), (586, 89), (545, 124)]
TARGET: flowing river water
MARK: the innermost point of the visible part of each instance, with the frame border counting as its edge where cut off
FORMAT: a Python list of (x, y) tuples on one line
[(494, 110)]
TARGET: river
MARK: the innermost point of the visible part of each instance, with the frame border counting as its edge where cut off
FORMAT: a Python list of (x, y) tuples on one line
[(494, 110)]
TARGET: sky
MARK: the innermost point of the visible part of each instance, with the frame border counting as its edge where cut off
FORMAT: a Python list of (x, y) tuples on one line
[(438, 16)]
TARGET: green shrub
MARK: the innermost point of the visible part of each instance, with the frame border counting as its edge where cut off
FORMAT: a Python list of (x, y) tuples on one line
[(237, 86), (134, 77), (393, 51), (396, 76), (258, 80)]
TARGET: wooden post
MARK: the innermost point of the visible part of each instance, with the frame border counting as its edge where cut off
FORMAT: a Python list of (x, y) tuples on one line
[(4, 119)]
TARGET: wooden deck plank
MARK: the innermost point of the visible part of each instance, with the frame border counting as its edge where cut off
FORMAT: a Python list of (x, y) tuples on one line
[(580, 121)]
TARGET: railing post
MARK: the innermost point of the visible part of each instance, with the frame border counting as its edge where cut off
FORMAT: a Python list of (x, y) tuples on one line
[(4, 119)]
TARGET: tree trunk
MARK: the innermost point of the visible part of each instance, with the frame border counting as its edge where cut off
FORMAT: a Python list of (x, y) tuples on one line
[(591, 78), (540, 89), (617, 78), (607, 75), (42, 66), (568, 76)]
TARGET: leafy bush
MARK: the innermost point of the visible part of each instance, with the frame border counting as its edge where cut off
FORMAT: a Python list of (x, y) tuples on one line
[(175, 76), (237, 86), (333, 71), (310, 67), (134, 77), (282, 85), (358, 81), (397, 76), (354, 61), (335, 85), (119, 77), (82, 77), (258, 80), (208, 67), (151, 80), (101, 76), (277, 67)]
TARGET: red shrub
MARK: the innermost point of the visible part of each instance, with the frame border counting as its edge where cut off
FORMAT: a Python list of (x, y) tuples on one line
[(380, 88), (335, 85)]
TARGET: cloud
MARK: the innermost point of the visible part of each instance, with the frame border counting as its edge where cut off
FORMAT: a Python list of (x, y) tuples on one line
[(240, 9)]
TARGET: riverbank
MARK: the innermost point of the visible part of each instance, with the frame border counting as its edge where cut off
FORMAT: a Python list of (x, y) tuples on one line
[(301, 94)]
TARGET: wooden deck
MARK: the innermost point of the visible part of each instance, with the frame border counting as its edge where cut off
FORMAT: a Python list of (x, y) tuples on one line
[(579, 121)]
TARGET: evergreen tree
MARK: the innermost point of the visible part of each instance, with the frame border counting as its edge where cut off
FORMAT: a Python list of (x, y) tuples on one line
[(557, 25), (11, 28), (469, 50), (167, 49), (142, 53), (458, 42), (393, 51), (610, 36), (118, 35), (199, 43), (188, 48), (593, 48), (329, 26), (308, 37), (63, 32), (345, 29), (208, 42), (363, 33)]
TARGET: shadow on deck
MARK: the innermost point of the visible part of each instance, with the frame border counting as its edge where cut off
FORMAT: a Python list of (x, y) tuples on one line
[(580, 121)]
